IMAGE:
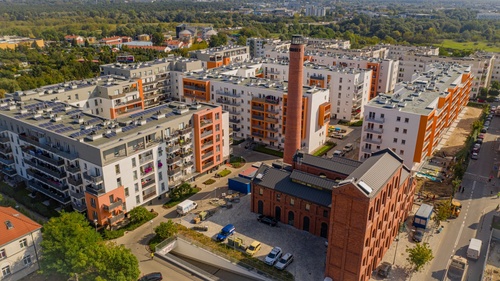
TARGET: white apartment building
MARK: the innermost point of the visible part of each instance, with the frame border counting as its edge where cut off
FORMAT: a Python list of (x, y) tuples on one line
[(257, 46), (395, 52), (315, 11), (20, 250), (413, 120), (216, 57)]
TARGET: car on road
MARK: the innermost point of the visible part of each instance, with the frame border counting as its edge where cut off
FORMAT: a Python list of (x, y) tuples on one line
[(474, 156), (267, 220), (273, 256), (486, 127), (493, 108), (225, 232), (285, 261), (337, 136), (348, 147), (418, 235), (479, 141), (154, 276), (253, 248), (483, 130), (481, 136), (487, 123), (384, 269), (339, 153)]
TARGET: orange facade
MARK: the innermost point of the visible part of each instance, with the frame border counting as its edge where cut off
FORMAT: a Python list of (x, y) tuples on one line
[(264, 119), (196, 89), (208, 138), (130, 105), (324, 114), (375, 67), (106, 208)]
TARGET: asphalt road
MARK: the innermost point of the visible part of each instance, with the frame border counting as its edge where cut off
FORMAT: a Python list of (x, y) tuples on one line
[(478, 205)]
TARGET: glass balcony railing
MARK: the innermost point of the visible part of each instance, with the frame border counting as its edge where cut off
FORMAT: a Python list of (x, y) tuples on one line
[(109, 208)]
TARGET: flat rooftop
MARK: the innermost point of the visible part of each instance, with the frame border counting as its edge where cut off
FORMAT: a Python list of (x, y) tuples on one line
[(421, 96)]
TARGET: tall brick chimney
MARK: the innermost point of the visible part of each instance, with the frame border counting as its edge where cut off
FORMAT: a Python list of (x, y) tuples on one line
[(294, 99)]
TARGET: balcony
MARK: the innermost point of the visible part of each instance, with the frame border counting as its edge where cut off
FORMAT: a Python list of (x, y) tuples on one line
[(173, 160), (272, 111), (47, 180), (173, 148), (258, 117), (114, 219), (195, 88), (373, 130), (47, 158), (371, 140), (79, 207), (207, 133), (187, 153), (54, 149), (236, 129), (73, 169), (271, 138), (228, 94), (272, 120), (206, 122), (188, 164), (59, 197), (109, 208), (374, 119), (185, 131), (207, 165), (4, 140), (149, 195), (147, 170), (366, 150), (174, 171), (273, 71), (152, 142), (6, 150), (235, 112), (258, 108), (185, 142), (95, 190), (259, 135), (207, 144), (228, 102), (6, 161), (270, 129), (77, 195), (8, 171), (317, 77), (208, 154), (233, 120), (145, 159), (91, 178), (46, 170)]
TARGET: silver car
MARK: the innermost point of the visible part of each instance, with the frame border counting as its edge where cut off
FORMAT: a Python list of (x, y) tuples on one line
[(284, 261), (273, 256)]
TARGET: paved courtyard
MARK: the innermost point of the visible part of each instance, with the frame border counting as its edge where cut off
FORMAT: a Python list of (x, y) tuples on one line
[(309, 250)]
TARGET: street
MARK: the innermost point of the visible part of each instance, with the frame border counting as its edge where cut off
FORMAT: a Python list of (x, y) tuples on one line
[(479, 201)]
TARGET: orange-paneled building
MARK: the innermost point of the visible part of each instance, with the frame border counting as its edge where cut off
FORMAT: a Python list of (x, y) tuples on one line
[(196, 89), (209, 138)]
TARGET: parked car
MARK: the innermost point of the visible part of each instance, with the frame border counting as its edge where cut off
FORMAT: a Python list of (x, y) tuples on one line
[(487, 123), (285, 260), (337, 136), (479, 141), (486, 127), (348, 147), (273, 256), (267, 220), (483, 130), (154, 276), (474, 156), (253, 248), (384, 269), (225, 232), (481, 136), (497, 99), (338, 153), (493, 108), (418, 236)]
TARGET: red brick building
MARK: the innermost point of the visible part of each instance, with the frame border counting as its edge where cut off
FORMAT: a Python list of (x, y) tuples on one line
[(358, 206)]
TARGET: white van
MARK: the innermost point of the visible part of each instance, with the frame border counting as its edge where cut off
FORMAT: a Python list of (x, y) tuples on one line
[(474, 249), (186, 206)]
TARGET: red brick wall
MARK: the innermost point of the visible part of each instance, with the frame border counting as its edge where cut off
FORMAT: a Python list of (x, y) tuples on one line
[(318, 171)]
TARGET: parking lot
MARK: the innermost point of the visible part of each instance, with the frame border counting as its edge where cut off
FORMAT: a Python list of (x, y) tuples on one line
[(309, 250)]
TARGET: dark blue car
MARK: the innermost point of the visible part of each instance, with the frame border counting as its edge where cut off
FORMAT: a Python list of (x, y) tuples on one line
[(225, 232)]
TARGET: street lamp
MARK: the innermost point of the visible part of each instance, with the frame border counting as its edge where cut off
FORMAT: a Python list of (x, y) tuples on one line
[(95, 224), (151, 222)]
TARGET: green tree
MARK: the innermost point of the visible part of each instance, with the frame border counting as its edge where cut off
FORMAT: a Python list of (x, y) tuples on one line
[(166, 229), (113, 262), (419, 255), (68, 242), (443, 212), (140, 214), (157, 38), (242, 40), (218, 40), (495, 85)]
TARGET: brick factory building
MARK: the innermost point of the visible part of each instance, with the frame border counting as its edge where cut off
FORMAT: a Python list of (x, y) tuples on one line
[(357, 206)]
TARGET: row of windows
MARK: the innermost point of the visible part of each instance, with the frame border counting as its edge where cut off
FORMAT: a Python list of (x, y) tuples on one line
[(23, 243), (6, 271), (307, 206)]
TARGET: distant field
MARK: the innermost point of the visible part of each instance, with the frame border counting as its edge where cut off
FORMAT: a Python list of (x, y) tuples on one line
[(469, 45)]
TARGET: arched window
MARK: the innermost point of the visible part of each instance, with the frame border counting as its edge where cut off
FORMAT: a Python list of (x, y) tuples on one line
[(305, 224), (324, 230), (260, 207), (291, 216)]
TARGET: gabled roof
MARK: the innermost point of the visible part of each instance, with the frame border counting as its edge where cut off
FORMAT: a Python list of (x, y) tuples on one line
[(312, 180), (338, 165), (376, 171), (281, 181), (14, 225)]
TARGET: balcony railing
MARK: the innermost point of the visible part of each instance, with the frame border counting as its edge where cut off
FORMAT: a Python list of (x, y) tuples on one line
[(275, 130), (272, 120), (206, 122), (49, 193), (207, 133), (185, 142), (232, 120), (47, 180), (77, 195), (149, 195), (91, 178), (374, 130), (114, 219), (235, 112), (196, 88), (94, 190), (371, 140), (73, 169), (207, 165), (79, 207), (188, 164), (6, 161), (272, 111), (8, 171), (54, 173), (255, 134), (4, 140), (148, 183), (228, 102), (174, 171), (374, 119), (146, 159), (6, 150), (185, 131), (108, 208), (173, 160), (258, 117), (258, 108), (173, 148), (186, 153), (206, 155), (54, 149), (223, 93), (207, 144), (47, 159)]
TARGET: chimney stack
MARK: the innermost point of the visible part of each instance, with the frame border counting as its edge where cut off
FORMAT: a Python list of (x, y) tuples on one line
[(294, 99)]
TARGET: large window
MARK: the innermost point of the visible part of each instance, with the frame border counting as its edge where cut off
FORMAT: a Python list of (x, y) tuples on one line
[(23, 243), (3, 254), (6, 271), (27, 260)]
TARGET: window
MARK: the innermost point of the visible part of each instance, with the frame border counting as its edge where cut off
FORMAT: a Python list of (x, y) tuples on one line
[(261, 191), (395, 140), (308, 207), (403, 141), (398, 118), (92, 202), (136, 187), (160, 176), (23, 243), (134, 175), (6, 271), (162, 186), (119, 182), (405, 131), (3, 254), (27, 260), (292, 201), (407, 120), (401, 152), (325, 213), (396, 130), (137, 199), (126, 192), (278, 197)]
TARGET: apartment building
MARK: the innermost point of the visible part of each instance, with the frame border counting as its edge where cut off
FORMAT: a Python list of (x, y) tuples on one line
[(257, 46), (327, 43), (482, 68), (20, 239), (257, 107), (216, 57), (375, 52), (397, 51), (413, 120), (105, 167), (315, 11), (357, 206)]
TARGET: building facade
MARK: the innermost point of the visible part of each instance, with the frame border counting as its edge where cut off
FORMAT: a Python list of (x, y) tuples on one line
[(413, 120), (20, 239), (216, 57)]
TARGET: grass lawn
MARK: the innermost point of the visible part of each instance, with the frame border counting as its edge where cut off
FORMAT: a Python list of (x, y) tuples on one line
[(209, 181), (324, 149), (263, 149), (224, 173), (451, 44)]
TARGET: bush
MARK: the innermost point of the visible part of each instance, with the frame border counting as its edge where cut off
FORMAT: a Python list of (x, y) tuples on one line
[(238, 141), (358, 123), (324, 149), (112, 234), (264, 149), (209, 182), (224, 173)]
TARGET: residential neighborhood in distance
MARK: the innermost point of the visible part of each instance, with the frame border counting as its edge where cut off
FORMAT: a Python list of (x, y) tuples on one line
[(212, 140)]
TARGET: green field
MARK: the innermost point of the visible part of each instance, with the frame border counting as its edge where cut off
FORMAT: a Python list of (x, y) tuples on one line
[(482, 45)]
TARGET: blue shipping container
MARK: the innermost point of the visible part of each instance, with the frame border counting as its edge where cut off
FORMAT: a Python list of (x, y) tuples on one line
[(423, 216), (239, 184)]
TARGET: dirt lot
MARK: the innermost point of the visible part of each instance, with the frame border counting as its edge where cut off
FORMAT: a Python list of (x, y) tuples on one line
[(460, 133)]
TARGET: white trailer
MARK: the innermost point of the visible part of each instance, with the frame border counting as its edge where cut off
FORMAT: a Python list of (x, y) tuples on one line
[(474, 249)]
